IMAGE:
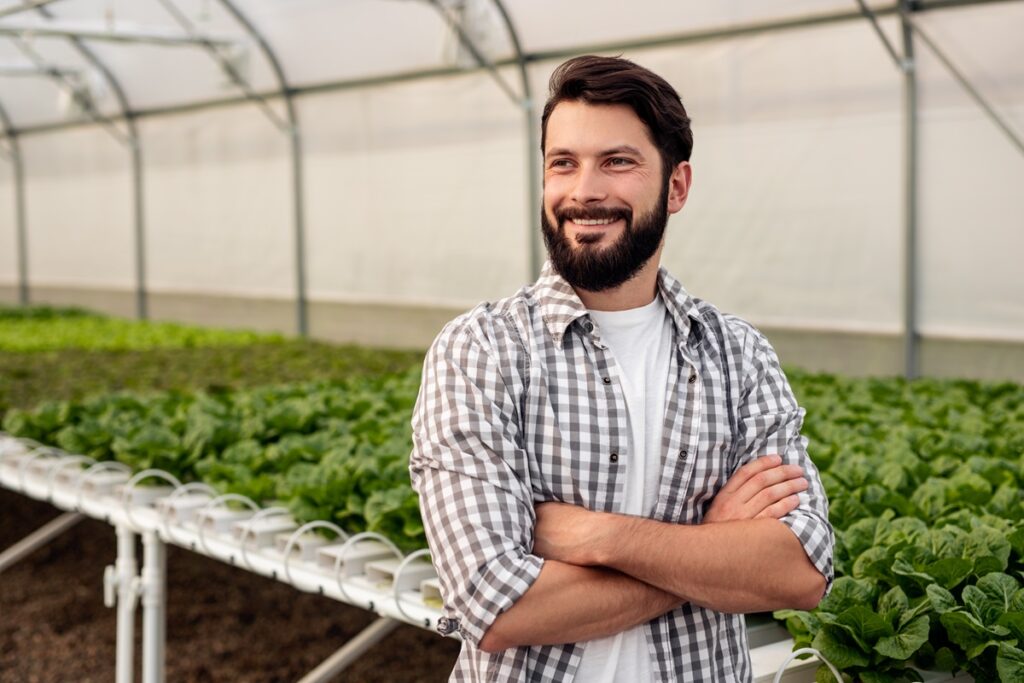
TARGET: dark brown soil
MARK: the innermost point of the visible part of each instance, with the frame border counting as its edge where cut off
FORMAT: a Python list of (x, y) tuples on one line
[(223, 624)]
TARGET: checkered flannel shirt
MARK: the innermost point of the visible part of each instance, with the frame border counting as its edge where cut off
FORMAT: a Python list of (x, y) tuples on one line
[(522, 403)]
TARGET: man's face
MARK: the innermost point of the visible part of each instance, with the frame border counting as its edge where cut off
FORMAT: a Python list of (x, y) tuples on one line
[(605, 202)]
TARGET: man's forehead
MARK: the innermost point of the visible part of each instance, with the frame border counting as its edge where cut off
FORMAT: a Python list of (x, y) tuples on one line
[(575, 125)]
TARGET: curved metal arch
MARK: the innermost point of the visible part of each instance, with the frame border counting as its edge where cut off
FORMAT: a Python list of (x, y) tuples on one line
[(19, 204), (533, 160), (134, 142), (295, 140)]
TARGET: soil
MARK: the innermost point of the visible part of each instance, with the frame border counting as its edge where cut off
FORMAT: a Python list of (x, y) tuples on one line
[(223, 623)]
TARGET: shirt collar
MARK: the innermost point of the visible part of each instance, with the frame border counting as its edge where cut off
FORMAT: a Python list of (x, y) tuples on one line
[(560, 306)]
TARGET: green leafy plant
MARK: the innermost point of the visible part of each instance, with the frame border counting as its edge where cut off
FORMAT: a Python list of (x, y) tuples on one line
[(924, 480)]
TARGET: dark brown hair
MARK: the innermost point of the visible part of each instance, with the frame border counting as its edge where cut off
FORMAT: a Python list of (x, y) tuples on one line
[(613, 80)]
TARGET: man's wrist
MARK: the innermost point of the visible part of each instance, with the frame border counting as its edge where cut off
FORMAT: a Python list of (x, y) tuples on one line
[(609, 540)]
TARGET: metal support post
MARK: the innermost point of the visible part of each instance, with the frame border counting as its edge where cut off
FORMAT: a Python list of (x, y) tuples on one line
[(910, 136), (120, 586), (533, 198), (154, 607), (141, 295), (22, 230), (38, 538), (351, 651)]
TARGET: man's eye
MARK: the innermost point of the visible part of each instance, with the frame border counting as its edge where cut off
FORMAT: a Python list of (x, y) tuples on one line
[(620, 161), (561, 163)]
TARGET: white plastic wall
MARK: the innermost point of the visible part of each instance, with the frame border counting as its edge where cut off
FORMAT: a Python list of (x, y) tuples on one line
[(218, 204), (78, 202), (972, 179), (794, 215), (416, 193), (8, 227)]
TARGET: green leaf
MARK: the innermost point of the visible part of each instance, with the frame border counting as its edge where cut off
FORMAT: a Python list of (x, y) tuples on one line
[(942, 600), (1000, 589), (848, 592), (893, 604), (838, 647), (986, 542), (950, 571), (823, 675), (907, 641), (991, 597), (863, 625), (970, 634), (1010, 663), (1014, 622)]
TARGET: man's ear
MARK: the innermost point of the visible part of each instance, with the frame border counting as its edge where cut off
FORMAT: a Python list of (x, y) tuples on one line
[(679, 186)]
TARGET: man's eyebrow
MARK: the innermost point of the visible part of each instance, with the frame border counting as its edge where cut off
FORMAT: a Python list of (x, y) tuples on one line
[(622, 149), (559, 152), (619, 149)]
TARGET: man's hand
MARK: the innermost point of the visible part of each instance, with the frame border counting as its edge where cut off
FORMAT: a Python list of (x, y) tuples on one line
[(760, 489)]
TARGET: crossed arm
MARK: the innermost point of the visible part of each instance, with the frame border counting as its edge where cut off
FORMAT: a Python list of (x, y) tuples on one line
[(605, 573)]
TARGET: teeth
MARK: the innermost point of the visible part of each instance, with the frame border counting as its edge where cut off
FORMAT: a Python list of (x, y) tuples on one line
[(599, 221)]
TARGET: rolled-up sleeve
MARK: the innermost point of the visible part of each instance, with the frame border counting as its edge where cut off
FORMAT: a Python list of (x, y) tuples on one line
[(472, 477), (769, 423)]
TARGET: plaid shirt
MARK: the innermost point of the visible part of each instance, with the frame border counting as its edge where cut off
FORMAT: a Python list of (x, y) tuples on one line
[(521, 403)]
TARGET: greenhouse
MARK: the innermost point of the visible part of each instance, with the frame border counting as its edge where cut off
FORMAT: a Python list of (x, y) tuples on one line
[(231, 229)]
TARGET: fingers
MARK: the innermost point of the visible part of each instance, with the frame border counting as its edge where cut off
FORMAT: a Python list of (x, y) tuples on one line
[(767, 479), (781, 508), (763, 487), (781, 491), (751, 469)]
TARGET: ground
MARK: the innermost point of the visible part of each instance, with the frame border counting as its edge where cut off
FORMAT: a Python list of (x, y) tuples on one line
[(223, 623)]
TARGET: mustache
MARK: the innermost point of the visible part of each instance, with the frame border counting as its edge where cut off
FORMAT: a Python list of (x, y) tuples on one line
[(594, 213)]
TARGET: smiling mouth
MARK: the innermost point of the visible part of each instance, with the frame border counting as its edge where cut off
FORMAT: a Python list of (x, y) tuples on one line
[(593, 222)]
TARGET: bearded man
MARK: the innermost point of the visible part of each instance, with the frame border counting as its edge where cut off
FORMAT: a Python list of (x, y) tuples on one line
[(611, 471)]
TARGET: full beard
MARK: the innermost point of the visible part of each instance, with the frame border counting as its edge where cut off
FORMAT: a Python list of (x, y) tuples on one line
[(592, 268)]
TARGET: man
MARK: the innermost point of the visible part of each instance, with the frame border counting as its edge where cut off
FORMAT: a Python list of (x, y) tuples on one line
[(610, 471)]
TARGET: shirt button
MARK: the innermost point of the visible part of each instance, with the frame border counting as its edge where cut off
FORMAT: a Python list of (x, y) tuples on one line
[(693, 378), (682, 453), (614, 457), (589, 327), (606, 380)]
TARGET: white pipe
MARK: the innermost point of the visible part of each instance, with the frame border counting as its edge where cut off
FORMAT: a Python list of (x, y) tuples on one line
[(126, 569), (154, 607), (39, 538), (351, 651)]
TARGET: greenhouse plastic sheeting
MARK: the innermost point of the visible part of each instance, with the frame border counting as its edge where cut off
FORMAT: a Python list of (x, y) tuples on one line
[(416, 190)]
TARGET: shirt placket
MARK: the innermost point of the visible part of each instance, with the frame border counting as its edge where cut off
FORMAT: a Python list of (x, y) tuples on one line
[(684, 437), (615, 435)]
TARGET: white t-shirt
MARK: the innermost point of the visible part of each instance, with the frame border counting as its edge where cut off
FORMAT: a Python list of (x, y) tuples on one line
[(640, 341)]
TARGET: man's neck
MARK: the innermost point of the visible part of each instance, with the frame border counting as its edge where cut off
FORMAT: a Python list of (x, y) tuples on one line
[(634, 293)]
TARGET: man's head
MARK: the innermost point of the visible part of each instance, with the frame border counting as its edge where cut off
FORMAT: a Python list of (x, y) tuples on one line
[(616, 142)]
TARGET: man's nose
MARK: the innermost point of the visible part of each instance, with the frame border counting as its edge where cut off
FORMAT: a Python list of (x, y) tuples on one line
[(590, 186)]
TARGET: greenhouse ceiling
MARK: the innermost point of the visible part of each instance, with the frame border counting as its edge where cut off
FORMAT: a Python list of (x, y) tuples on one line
[(74, 61)]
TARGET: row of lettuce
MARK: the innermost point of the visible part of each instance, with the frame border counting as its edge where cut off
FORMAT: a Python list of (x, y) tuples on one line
[(924, 480), (328, 451), (47, 328)]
